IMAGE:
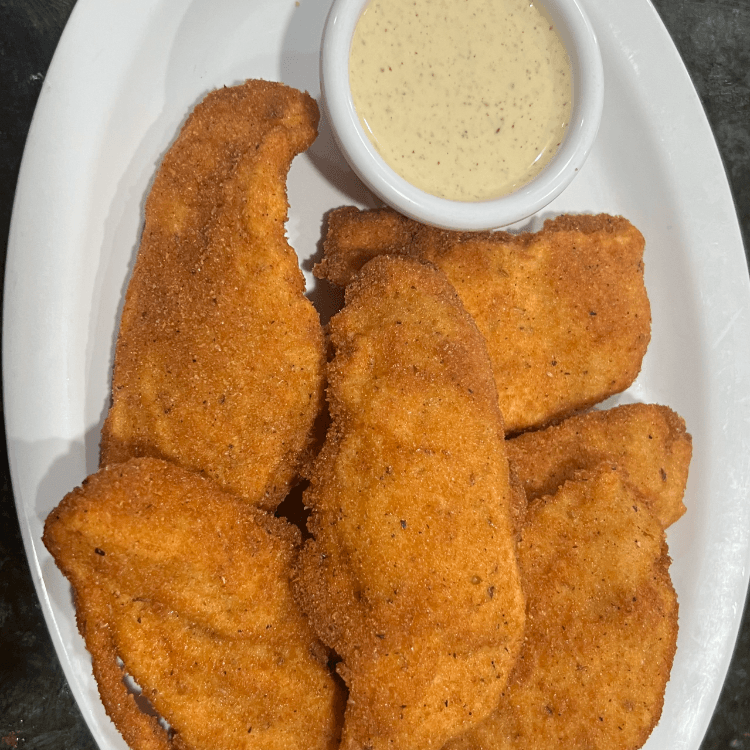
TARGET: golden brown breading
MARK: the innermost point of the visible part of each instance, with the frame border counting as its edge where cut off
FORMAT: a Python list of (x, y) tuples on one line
[(219, 359), (518, 501), (411, 576), (601, 625), (564, 311), (648, 442), (189, 587)]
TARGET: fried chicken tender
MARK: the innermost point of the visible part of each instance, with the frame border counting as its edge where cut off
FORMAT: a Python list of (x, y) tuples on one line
[(601, 625), (564, 311), (647, 441), (411, 575), (219, 359), (190, 588)]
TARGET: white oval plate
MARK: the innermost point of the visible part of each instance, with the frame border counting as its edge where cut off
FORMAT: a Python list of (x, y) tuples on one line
[(122, 81)]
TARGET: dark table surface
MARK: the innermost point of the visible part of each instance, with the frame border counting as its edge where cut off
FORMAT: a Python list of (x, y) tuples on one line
[(37, 710)]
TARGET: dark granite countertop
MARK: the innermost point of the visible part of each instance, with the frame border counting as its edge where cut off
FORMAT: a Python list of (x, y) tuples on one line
[(36, 707)]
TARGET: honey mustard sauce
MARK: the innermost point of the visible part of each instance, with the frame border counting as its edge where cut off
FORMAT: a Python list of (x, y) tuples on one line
[(465, 99)]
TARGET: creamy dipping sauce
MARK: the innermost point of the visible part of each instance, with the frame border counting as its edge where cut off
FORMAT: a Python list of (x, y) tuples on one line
[(465, 99)]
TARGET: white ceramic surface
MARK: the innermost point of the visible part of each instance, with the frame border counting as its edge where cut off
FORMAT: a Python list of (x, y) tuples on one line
[(123, 78), (580, 40)]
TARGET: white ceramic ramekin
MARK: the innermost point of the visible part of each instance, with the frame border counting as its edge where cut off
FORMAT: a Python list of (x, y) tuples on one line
[(580, 41)]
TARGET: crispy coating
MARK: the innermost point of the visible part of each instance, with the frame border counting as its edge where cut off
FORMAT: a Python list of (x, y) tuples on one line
[(219, 359), (601, 625), (518, 501), (564, 311), (647, 441), (411, 576), (189, 587)]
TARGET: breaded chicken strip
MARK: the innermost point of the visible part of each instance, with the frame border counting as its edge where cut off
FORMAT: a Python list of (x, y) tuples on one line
[(411, 576), (219, 359), (601, 625), (648, 442), (189, 587), (564, 311)]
